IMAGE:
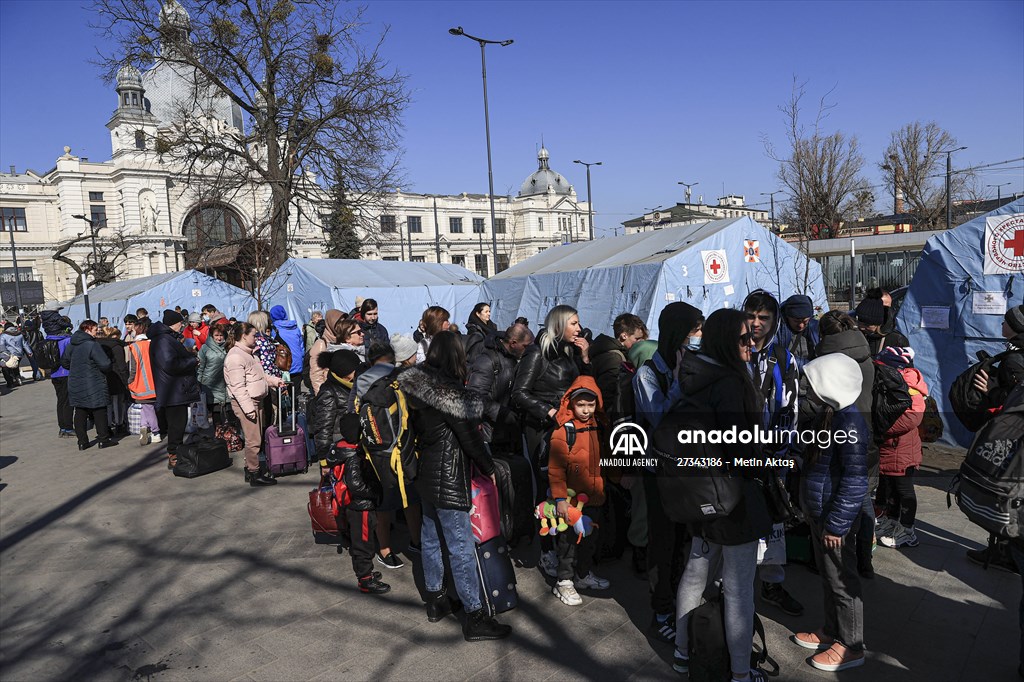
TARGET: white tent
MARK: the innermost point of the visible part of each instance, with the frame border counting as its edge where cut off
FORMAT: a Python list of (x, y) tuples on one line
[(708, 265), (402, 290)]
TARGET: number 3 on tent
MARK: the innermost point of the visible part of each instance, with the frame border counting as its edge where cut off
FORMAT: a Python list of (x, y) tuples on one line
[(686, 271)]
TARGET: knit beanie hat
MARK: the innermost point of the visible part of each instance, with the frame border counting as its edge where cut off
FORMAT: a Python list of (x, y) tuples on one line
[(836, 378), (343, 363), (278, 313), (871, 311), (798, 306), (404, 347), (895, 357), (172, 317), (195, 317), (1015, 318)]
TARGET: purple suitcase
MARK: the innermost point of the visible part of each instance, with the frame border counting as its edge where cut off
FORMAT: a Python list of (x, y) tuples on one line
[(284, 447)]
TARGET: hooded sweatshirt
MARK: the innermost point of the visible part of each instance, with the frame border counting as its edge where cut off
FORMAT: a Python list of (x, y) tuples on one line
[(654, 387), (579, 467), (288, 331), (775, 374), (802, 345)]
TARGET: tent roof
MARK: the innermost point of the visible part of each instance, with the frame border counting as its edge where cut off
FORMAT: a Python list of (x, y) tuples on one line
[(631, 249), (115, 291), (342, 273)]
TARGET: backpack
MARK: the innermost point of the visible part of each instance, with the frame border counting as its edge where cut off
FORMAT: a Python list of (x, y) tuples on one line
[(989, 488), (890, 398), (968, 402), (47, 354), (931, 425), (385, 434), (282, 355), (709, 652)]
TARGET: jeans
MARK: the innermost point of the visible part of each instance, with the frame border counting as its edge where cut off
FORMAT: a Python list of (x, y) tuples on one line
[(99, 415), (738, 564), (576, 560), (461, 550), (1017, 552), (65, 413), (897, 496), (844, 608), (172, 420)]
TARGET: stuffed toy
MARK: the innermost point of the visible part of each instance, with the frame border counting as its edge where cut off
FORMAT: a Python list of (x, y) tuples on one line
[(552, 524)]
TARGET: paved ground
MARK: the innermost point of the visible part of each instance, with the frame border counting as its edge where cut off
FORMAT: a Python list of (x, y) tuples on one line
[(111, 568)]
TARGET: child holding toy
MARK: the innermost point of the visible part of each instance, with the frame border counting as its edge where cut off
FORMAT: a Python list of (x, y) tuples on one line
[(574, 464)]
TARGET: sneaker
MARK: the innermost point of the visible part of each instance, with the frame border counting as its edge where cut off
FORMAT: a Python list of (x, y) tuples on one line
[(145, 437), (565, 591), (815, 641), (900, 537), (372, 584), (663, 627), (591, 582), (390, 561), (994, 558), (680, 663), (836, 658), (756, 675), (155, 438), (884, 525), (549, 563), (776, 595)]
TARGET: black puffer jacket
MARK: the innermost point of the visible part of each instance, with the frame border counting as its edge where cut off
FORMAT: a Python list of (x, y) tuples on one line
[(445, 420), (174, 368), (542, 381), (1010, 372), (359, 476), (117, 377), (491, 374), (331, 406), (476, 332), (87, 365), (714, 401), (374, 333), (606, 357)]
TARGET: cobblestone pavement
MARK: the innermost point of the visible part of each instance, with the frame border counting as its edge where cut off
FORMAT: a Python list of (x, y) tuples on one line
[(111, 568)]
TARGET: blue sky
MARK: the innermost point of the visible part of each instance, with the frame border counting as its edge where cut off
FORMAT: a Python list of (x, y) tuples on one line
[(660, 92)]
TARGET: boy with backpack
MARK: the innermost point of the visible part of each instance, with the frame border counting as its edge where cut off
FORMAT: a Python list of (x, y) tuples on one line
[(575, 464)]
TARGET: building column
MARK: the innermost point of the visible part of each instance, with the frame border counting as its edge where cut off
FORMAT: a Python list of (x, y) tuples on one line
[(147, 262), (163, 262)]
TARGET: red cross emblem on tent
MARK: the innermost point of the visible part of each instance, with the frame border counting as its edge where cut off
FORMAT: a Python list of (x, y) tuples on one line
[(1004, 244), (751, 251), (716, 266)]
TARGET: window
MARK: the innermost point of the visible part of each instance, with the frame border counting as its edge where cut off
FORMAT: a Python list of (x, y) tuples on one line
[(502, 262), (98, 216), (418, 259), (95, 196), (499, 226), (12, 216), (212, 225), (583, 223), (481, 265), (478, 225), (140, 139), (415, 224), (459, 260), (455, 225), (387, 223), (135, 98), (390, 258), (540, 223)]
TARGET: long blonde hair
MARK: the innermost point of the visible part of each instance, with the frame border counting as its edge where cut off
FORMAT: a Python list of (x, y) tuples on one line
[(259, 319), (554, 328)]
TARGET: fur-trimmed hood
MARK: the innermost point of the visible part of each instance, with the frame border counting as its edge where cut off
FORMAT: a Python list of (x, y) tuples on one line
[(428, 386)]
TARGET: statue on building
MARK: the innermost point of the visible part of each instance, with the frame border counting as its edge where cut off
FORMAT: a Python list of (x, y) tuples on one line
[(148, 210)]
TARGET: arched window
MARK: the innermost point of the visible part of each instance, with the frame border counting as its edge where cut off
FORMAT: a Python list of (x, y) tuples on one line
[(211, 225)]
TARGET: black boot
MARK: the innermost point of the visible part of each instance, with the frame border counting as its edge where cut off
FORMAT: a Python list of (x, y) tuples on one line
[(439, 605), (479, 627), (261, 478), (372, 584), (106, 443)]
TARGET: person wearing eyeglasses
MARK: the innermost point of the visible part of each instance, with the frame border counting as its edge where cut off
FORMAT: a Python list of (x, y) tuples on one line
[(350, 336)]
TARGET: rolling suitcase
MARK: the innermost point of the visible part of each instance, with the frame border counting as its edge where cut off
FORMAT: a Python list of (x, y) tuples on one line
[(497, 577), (514, 477), (285, 446), (201, 455)]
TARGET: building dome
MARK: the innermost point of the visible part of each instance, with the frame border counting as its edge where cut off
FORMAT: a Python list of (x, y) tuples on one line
[(173, 14), (543, 178), (129, 75)]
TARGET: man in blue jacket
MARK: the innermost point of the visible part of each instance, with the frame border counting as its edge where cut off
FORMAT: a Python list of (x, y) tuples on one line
[(798, 332), (58, 330), (174, 375), (288, 331)]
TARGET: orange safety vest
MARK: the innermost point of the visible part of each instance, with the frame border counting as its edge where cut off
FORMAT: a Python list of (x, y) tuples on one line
[(142, 387)]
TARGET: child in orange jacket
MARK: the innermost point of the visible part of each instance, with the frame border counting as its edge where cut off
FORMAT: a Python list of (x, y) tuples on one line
[(575, 463)]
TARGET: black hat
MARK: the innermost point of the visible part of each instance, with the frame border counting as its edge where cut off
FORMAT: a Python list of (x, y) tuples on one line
[(344, 362), (1015, 318), (583, 392), (172, 317), (871, 311)]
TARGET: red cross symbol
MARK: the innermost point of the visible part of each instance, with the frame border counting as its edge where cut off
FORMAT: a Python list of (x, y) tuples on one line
[(1017, 243), (716, 266)]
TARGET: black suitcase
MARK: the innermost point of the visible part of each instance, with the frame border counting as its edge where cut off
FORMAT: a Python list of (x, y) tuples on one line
[(497, 577), (200, 456), (514, 477)]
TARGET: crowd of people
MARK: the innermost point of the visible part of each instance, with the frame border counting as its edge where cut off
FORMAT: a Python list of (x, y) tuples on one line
[(551, 397)]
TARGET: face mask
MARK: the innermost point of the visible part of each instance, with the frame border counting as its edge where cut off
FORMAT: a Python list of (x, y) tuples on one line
[(693, 343), (206, 318)]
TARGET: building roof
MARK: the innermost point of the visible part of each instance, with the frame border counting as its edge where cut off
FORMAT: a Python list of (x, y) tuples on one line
[(541, 179), (675, 214)]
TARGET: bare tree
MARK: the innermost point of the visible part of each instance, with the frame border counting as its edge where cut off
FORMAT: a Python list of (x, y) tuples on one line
[(820, 170), (914, 168), (319, 106), (100, 265)]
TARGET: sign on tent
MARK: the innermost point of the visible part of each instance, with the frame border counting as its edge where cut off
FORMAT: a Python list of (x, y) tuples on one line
[(716, 266), (1004, 244), (751, 250)]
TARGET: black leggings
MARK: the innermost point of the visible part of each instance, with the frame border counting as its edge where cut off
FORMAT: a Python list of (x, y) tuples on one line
[(897, 497)]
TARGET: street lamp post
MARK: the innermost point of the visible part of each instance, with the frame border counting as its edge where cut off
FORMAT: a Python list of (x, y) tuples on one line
[(11, 222), (651, 210), (95, 258), (590, 196), (949, 192), (457, 31), (688, 185), (999, 194), (771, 197)]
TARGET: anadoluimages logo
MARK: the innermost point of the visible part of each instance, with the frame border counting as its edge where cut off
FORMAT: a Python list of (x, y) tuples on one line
[(628, 440)]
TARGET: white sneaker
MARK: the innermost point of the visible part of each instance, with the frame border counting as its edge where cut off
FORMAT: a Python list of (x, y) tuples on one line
[(591, 582), (900, 537), (884, 525), (144, 436), (565, 591), (549, 563), (156, 438)]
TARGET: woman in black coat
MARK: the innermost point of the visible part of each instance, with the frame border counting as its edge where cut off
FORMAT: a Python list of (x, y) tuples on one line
[(117, 380), (478, 327), (87, 366), (446, 418)]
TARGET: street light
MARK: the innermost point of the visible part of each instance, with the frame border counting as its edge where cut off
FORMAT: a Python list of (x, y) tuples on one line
[(999, 192), (457, 31), (590, 197), (95, 259), (688, 186), (771, 196), (949, 193), (11, 222)]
